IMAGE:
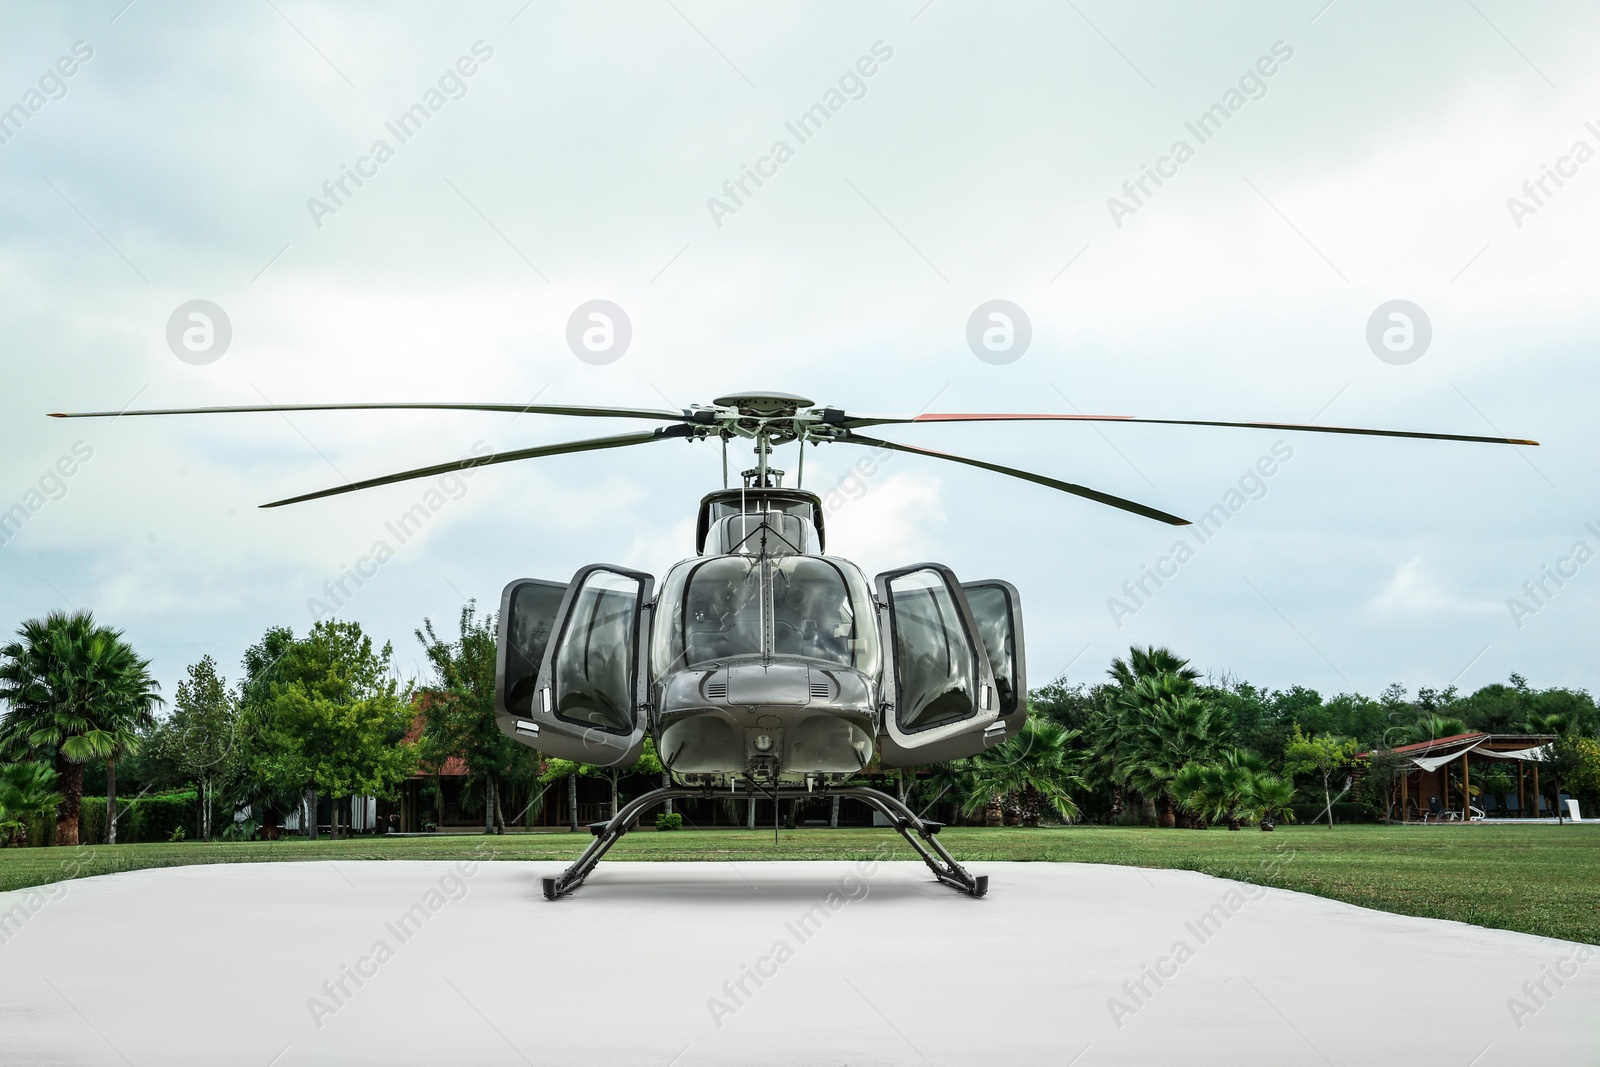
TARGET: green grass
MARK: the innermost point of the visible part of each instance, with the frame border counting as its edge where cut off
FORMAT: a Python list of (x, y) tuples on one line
[(1536, 879)]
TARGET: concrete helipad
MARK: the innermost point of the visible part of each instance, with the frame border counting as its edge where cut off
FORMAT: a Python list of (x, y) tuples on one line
[(773, 963)]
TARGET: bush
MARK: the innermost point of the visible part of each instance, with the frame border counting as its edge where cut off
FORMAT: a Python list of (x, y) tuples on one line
[(149, 818), (669, 822), (1343, 811)]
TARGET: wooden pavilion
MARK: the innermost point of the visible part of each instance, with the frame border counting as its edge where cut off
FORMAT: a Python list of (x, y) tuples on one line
[(1435, 787)]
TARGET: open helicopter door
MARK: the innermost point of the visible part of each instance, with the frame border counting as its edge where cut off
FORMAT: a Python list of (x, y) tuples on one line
[(998, 612), (586, 703), (939, 692)]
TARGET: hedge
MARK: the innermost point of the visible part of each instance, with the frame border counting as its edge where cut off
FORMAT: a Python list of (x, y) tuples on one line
[(149, 818), (1343, 811)]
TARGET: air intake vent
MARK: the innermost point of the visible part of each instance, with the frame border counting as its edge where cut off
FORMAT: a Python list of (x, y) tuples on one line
[(820, 689), (717, 690)]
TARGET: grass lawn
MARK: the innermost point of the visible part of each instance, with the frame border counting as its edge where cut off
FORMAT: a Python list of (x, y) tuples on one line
[(1536, 879)]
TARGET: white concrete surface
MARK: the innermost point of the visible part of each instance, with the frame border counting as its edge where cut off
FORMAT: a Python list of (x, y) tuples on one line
[(218, 966)]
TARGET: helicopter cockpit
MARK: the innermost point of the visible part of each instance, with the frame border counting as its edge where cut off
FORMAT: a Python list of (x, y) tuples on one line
[(721, 609)]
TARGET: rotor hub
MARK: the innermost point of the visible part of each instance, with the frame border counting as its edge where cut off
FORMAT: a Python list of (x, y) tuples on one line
[(768, 405)]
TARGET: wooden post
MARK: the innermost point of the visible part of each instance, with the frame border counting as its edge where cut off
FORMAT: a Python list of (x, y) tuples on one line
[(1521, 801), (1466, 788), (1405, 795), (1536, 793)]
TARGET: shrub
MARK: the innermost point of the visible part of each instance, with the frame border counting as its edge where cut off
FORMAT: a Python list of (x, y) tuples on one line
[(148, 818), (1343, 811), (669, 822)]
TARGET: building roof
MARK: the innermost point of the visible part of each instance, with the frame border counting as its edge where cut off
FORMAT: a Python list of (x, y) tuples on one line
[(1443, 744)]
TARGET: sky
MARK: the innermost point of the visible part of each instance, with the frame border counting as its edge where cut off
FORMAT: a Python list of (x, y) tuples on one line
[(559, 153)]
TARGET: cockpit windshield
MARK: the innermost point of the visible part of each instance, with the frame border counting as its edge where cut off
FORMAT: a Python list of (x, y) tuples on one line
[(715, 610)]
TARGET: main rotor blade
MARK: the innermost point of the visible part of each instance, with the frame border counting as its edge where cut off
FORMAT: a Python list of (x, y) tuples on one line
[(590, 445), (518, 409), (852, 422), (1027, 476)]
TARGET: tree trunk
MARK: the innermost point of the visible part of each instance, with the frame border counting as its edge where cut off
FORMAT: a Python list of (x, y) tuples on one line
[(488, 803), (1167, 818), (1147, 811), (833, 817), (572, 800), (750, 813), (1326, 799), (499, 810), (1118, 805), (994, 813), (70, 785), (1031, 807), (614, 792), (111, 802), (205, 811), (666, 783), (308, 807)]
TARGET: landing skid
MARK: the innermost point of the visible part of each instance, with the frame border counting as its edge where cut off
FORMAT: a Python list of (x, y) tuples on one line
[(920, 834)]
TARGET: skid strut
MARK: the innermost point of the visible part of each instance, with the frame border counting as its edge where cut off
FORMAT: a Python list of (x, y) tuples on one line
[(921, 834)]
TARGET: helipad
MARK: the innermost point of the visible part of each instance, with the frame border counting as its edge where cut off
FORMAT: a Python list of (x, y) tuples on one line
[(664, 964)]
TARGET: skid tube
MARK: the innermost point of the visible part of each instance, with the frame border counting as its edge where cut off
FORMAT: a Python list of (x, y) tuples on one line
[(920, 834)]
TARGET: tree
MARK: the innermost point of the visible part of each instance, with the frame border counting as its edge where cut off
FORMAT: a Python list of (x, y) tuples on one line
[(1323, 755), (27, 794), (1035, 769), (335, 719), (75, 689), (1268, 800), (459, 718), (1168, 729), (1219, 791), (199, 739), (267, 776)]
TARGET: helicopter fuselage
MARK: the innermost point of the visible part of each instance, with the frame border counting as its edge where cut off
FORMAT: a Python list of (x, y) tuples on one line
[(761, 657)]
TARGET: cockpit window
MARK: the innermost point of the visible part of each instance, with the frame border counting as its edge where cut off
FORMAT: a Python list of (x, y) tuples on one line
[(716, 613), (811, 611), (731, 606)]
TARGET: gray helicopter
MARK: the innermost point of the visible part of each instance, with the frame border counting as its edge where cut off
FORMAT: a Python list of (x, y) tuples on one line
[(763, 666)]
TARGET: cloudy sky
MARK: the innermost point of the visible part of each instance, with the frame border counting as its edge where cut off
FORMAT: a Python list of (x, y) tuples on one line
[(1357, 154)]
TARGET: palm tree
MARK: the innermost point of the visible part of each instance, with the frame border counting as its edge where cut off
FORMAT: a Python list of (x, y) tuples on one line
[(1269, 798), (1035, 768), (73, 686), (1219, 791), (1167, 730), (1149, 662), (27, 794), (1148, 676), (1433, 727)]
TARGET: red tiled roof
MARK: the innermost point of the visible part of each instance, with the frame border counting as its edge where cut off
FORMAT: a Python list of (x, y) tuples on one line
[(454, 767)]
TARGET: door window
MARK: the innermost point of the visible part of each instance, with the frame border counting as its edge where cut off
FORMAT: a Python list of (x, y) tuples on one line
[(592, 668), (936, 669)]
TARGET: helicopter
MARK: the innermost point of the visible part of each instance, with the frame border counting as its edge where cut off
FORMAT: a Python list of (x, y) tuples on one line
[(763, 665)]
